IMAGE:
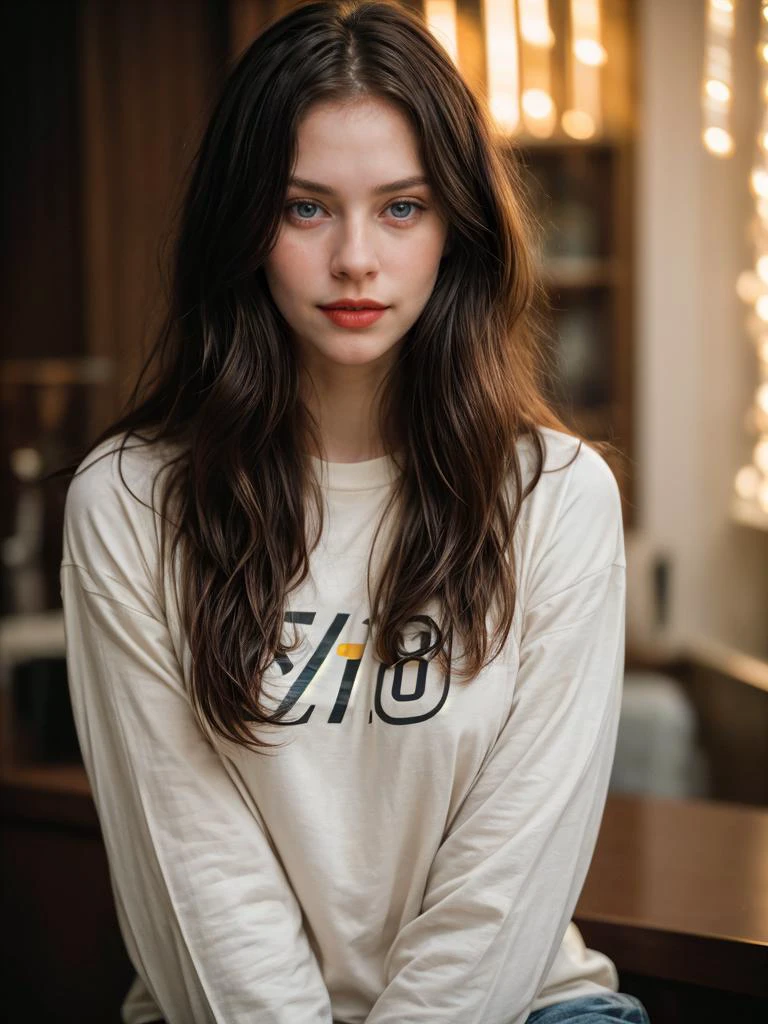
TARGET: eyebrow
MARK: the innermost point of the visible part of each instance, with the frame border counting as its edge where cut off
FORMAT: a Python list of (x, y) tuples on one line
[(393, 186)]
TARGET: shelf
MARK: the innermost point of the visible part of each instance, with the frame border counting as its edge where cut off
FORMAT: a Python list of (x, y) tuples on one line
[(39, 635), (48, 794), (729, 661), (580, 272), (55, 372), (59, 778)]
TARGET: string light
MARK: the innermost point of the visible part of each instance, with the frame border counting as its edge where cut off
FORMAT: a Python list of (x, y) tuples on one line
[(586, 44), (519, 45), (440, 16), (502, 62), (537, 40), (717, 84), (586, 54), (750, 483)]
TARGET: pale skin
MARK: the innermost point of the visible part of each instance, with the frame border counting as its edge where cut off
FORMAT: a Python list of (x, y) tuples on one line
[(355, 243)]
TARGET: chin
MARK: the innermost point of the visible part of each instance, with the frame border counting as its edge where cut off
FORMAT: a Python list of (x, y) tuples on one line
[(358, 357), (356, 350)]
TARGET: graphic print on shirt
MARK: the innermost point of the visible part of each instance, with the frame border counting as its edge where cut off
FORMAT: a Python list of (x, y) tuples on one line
[(405, 693)]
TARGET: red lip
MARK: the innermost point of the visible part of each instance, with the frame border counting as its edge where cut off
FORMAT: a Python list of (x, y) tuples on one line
[(362, 303), (354, 319)]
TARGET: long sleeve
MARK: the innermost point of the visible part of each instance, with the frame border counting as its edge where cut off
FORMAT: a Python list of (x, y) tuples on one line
[(507, 875), (209, 919)]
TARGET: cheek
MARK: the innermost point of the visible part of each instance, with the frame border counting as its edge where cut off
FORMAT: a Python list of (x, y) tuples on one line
[(288, 263), (419, 266)]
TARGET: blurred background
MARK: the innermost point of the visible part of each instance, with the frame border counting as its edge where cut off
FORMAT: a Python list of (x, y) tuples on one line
[(643, 131)]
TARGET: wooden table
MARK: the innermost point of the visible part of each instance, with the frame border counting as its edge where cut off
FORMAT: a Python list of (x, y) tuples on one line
[(677, 896), (677, 893)]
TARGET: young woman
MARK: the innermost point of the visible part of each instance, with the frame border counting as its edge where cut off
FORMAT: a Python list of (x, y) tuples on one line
[(344, 598)]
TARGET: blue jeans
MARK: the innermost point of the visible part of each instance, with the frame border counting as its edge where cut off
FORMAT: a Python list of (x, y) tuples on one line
[(600, 1009), (587, 1010)]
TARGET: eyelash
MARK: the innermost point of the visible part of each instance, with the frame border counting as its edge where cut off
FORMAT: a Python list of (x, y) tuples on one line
[(397, 202)]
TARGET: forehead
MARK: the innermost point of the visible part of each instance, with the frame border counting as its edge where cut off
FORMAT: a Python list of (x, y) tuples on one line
[(353, 146)]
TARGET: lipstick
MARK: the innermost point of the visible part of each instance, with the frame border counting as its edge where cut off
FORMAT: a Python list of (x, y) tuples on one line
[(353, 318)]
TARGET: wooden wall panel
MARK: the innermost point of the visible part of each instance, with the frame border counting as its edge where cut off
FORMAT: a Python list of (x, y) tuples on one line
[(149, 74), (247, 18), (40, 234)]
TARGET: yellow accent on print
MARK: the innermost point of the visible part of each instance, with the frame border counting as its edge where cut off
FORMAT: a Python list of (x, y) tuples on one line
[(352, 651)]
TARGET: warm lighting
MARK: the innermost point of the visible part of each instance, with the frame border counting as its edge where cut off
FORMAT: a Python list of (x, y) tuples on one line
[(583, 117), (520, 47), (760, 455), (717, 84), (502, 59), (537, 103), (718, 91), (758, 179), (590, 52), (749, 287), (750, 484), (536, 41), (578, 124), (440, 16), (535, 29), (718, 141), (506, 111), (747, 483), (585, 26)]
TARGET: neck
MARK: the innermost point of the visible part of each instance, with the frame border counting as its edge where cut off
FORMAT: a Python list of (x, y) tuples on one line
[(346, 407)]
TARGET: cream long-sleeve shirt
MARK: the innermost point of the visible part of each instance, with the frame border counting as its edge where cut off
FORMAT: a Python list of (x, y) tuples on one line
[(415, 850)]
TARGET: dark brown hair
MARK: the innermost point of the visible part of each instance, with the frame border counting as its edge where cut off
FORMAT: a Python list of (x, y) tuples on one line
[(469, 381)]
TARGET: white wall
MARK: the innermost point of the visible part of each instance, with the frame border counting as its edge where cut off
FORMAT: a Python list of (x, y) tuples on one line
[(695, 364)]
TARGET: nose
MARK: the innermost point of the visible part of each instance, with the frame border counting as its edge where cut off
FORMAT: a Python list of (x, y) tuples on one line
[(354, 252)]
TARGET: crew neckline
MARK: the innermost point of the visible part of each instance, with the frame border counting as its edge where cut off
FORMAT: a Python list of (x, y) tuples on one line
[(355, 476)]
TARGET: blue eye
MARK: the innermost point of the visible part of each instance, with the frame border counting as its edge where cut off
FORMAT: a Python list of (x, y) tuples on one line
[(300, 202), (405, 202), (294, 206)]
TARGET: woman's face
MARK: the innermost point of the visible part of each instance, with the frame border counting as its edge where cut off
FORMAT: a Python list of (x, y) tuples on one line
[(351, 238)]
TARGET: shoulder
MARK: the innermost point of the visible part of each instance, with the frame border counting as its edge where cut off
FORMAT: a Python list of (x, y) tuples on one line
[(571, 524), (99, 473), (111, 512), (569, 465)]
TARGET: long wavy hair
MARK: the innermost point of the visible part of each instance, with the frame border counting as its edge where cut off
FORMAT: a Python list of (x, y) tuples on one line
[(221, 382)]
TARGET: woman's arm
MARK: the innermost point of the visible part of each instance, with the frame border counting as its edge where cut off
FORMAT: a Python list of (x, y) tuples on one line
[(506, 879), (208, 917)]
